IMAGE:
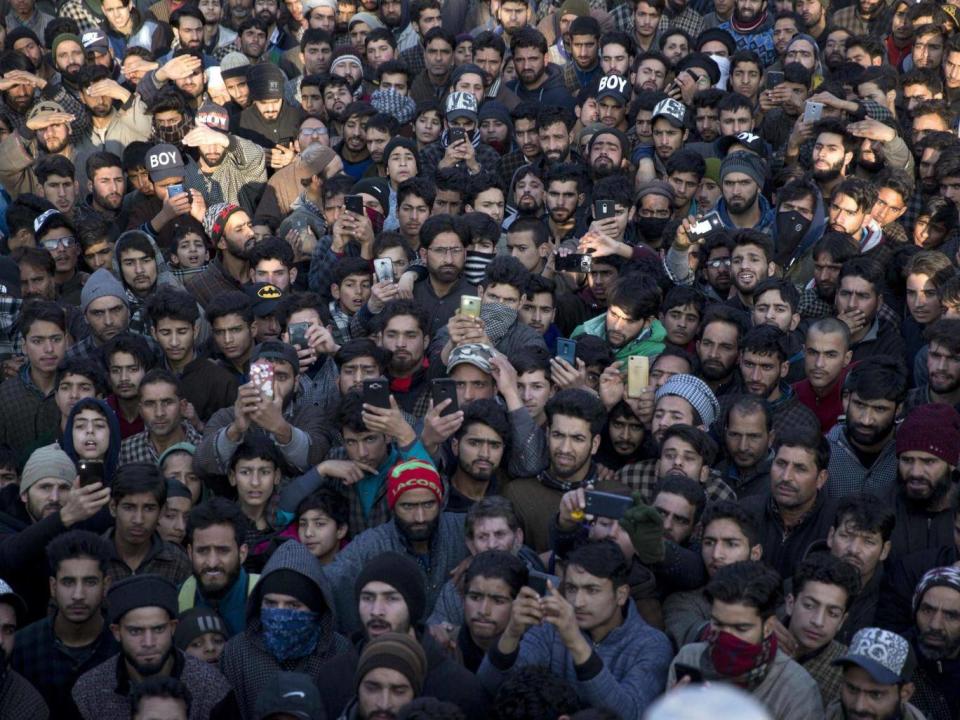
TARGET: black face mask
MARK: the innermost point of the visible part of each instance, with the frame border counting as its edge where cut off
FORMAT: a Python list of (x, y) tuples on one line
[(791, 227), (651, 229)]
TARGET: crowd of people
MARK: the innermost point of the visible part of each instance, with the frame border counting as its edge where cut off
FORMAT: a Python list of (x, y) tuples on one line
[(479, 359)]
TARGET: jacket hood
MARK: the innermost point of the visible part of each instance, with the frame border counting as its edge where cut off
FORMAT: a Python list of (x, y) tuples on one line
[(164, 276), (292, 556), (113, 451)]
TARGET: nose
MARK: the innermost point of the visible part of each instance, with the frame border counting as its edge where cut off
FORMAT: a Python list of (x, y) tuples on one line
[(420, 515)]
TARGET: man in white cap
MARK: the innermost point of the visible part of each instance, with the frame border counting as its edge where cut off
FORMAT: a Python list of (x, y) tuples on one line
[(321, 14)]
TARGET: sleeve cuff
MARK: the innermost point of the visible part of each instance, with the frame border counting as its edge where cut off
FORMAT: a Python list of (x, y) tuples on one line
[(501, 661), (590, 669)]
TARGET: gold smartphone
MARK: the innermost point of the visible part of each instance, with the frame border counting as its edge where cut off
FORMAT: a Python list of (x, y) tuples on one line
[(470, 306), (638, 375)]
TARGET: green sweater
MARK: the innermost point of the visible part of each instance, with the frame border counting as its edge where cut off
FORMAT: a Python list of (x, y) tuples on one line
[(650, 342)]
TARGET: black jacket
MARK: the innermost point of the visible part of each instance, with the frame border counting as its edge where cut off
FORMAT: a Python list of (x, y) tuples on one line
[(894, 611), (270, 133), (917, 529), (937, 683)]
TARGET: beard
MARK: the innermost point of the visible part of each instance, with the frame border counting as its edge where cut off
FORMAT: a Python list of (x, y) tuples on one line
[(417, 532), (714, 371), (739, 205), (58, 145), (943, 650), (214, 159), (604, 167), (478, 475), (110, 202), (100, 111), (827, 293), (867, 437), (216, 593), (830, 174), (148, 669), (240, 250), (930, 497)]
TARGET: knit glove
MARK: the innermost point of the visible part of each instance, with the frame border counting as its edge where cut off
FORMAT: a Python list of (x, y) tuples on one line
[(645, 527)]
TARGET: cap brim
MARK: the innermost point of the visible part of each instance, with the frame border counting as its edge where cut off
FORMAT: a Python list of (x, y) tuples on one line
[(615, 95), (266, 307), (878, 672), (454, 114), (669, 118), (469, 361)]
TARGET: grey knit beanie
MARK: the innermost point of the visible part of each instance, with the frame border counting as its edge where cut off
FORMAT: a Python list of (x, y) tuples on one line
[(48, 461), (101, 284), (746, 163)]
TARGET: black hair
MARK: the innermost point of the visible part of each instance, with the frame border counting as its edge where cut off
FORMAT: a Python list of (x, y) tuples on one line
[(430, 708), (418, 187), (91, 73), (839, 246), (580, 404), (361, 347), (749, 405), (235, 302), (687, 488), (347, 266), (528, 37), (733, 102), (395, 308), (136, 478), (392, 67), (479, 183), (551, 114), (603, 559), (686, 161), (681, 295), (132, 344), (806, 438), (725, 314), (615, 189), (255, 448), (533, 692), (538, 284), (701, 442), (442, 223), (481, 227), (93, 371), (42, 311), (737, 514), (161, 375), (168, 302), (485, 412), (861, 191), (498, 565), (867, 513), (766, 340), (350, 413), (330, 502), (218, 511), (826, 569), (272, 248), (749, 583), (878, 378), (506, 270), (492, 506), (162, 686), (78, 544), (593, 351), (637, 294)]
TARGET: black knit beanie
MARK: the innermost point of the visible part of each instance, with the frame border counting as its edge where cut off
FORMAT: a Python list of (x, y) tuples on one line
[(266, 82), (290, 582), (401, 573)]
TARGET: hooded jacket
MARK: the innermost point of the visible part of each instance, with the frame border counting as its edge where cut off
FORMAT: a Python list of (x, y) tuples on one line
[(650, 342), (139, 322), (768, 216), (113, 450), (248, 665), (798, 266)]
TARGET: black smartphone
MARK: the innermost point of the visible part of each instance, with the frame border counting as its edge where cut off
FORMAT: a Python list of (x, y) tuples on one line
[(608, 505), (567, 350), (456, 134), (298, 334), (774, 78), (445, 389), (603, 209), (353, 203), (377, 393), (574, 262), (90, 472), (683, 670), (538, 582), (707, 225)]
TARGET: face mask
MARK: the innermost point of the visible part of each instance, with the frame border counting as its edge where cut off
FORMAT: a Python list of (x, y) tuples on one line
[(290, 634), (791, 227), (172, 135), (651, 228), (476, 265), (376, 219), (724, 65), (499, 145), (738, 660)]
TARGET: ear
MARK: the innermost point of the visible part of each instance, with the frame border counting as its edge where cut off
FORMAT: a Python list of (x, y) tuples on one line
[(789, 601), (630, 215), (595, 445), (252, 275), (784, 369), (581, 199), (115, 629), (53, 586), (768, 626), (756, 552), (113, 508), (23, 497), (293, 276), (423, 254), (686, 134), (244, 550), (847, 158), (794, 321), (885, 552), (623, 595), (231, 478), (830, 535), (906, 692), (771, 269), (342, 531), (467, 207), (335, 291), (455, 446), (89, 185), (704, 474), (822, 477)]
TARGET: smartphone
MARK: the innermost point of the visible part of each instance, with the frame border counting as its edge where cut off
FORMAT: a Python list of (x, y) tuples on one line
[(575, 262), (603, 209), (774, 78), (538, 582), (175, 189), (445, 389), (456, 134), (90, 472), (261, 375), (608, 505), (377, 393), (683, 670), (812, 111), (567, 350), (353, 203), (383, 267), (298, 334), (638, 375), (470, 306), (710, 223)]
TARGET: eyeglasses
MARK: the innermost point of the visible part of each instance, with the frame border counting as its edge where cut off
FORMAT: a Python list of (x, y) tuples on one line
[(313, 132), (52, 245), (447, 252), (718, 263)]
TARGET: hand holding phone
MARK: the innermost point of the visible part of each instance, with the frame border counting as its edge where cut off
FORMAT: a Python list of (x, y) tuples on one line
[(812, 111), (354, 204), (567, 350), (470, 306), (90, 472), (608, 505), (442, 389), (377, 393), (298, 334), (383, 268)]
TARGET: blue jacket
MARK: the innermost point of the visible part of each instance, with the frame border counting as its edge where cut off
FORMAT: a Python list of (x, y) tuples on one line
[(627, 671), (768, 216)]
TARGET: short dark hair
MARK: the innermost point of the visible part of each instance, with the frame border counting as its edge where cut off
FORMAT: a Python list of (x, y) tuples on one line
[(824, 568), (603, 559), (528, 37), (866, 268), (162, 375), (580, 404), (737, 514), (255, 448), (486, 411), (687, 488), (330, 502), (765, 340), (159, 686), (701, 442), (131, 344), (78, 544), (234, 302), (418, 187), (218, 511), (442, 223), (498, 565), (137, 478), (749, 583), (807, 438), (637, 294), (749, 236), (361, 347), (91, 370), (350, 413), (788, 291), (878, 378), (861, 191), (492, 506), (347, 266), (867, 513), (534, 693), (42, 311), (396, 308), (506, 270), (167, 302), (272, 248)]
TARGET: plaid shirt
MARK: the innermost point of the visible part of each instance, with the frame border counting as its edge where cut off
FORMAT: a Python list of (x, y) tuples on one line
[(138, 448), (79, 10), (39, 656), (689, 20), (213, 281), (811, 307), (509, 164), (828, 677), (240, 178), (341, 322), (642, 477), (846, 474), (164, 559), (914, 208), (414, 60)]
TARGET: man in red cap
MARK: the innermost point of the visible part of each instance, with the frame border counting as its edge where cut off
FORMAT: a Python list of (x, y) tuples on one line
[(928, 450), (418, 529)]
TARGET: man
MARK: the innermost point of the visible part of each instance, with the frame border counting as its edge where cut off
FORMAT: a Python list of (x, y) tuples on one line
[(570, 622), (796, 513), (943, 384), (478, 446), (434, 81), (875, 390), (751, 262), (231, 232), (17, 697), (136, 497), (584, 65), (814, 16), (54, 652), (270, 122), (743, 599), (936, 641), (289, 620), (390, 673), (160, 401), (826, 357), (858, 302), (742, 176), (752, 29), (683, 400), (575, 419), (443, 243), (390, 599), (718, 346), (143, 616), (924, 494), (418, 527), (113, 128), (537, 80), (48, 501), (822, 591), (747, 437), (878, 673)]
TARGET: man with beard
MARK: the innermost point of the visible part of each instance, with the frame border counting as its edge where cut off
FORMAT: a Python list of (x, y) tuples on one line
[(252, 39), (670, 130), (814, 16), (928, 445), (833, 153), (858, 303), (270, 122), (555, 128), (575, 422), (231, 233), (443, 244), (936, 641), (826, 357), (747, 439), (795, 513), (864, 17), (528, 201), (742, 177), (353, 130), (215, 544), (405, 332), (751, 27), (143, 616), (927, 153), (848, 212), (45, 649), (718, 346), (751, 262), (424, 16), (465, 152), (537, 80), (390, 597), (418, 528), (68, 57), (434, 81), (107, 183), (862, 454), (113, 129), (829, 254), (566, 186), (608, 154), (943, 366), (48, 126)]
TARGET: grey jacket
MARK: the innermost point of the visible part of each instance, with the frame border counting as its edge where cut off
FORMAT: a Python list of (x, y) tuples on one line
[(447, 549), (246, 662), (849, 476)]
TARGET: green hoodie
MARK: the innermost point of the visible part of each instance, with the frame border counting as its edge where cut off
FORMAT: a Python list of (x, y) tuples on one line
[(650, 342)]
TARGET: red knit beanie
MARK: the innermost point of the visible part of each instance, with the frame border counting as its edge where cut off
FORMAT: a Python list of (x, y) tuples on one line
[(412, 475), (932, 428)]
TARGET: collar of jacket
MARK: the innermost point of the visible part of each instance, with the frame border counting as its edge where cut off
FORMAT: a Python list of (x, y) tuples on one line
[(811, 513), (547, 480), (123, 675)]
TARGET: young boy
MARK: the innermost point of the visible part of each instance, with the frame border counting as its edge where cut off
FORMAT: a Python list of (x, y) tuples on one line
[(189, 254), (255, 473), (322, 523), (350, 289)]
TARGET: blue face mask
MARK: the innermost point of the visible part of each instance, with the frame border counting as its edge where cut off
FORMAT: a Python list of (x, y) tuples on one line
[(290, 634)]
